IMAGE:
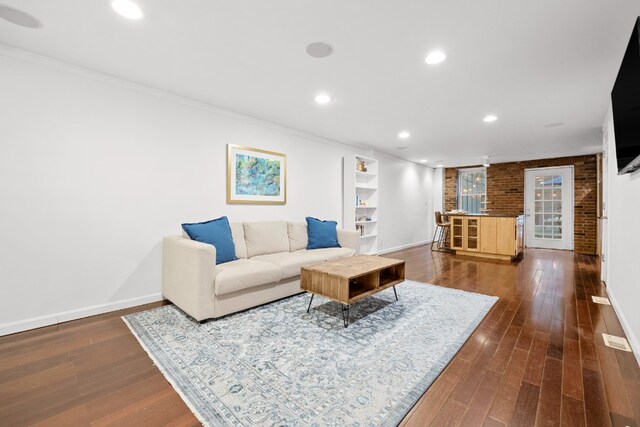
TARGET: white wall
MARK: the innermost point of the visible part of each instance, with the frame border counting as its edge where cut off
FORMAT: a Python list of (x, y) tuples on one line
[(406, 207), (95, 170), (438, 190), (623, 280)]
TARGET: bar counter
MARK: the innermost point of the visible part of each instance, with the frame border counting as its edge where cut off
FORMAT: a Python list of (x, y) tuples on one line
[(493, 236)]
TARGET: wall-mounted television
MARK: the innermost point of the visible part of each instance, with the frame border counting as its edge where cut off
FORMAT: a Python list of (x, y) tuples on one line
[(625, 101)]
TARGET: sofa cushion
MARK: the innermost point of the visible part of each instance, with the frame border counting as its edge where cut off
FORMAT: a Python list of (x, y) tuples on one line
[(322, 234), (298, 238), (290, 262), (266, 237), (244, 273), (327, 254), (216, 233), (237, 232)]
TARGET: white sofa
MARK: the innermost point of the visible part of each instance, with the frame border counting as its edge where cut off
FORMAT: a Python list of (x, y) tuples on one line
[(269, 253)]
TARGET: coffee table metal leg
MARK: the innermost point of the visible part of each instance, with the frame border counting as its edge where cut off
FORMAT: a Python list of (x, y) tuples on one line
[(394, 291), (310, 301), (345, 314)]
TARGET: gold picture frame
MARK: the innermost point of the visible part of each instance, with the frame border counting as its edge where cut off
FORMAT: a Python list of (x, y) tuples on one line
[(256, 176)]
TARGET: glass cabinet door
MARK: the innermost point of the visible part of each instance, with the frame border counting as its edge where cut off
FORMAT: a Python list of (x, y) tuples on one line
[(456, 233), (472, 234), (465, 234)]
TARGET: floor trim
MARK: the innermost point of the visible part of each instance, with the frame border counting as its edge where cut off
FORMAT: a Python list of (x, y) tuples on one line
[(65, 316), (401, 247)]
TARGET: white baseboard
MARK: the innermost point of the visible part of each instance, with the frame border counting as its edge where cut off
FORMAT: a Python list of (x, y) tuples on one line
[(399, 248), (631, 337), (65, 316)]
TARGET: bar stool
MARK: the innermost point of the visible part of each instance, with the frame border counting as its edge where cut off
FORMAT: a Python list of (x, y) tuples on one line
[(441, 233)]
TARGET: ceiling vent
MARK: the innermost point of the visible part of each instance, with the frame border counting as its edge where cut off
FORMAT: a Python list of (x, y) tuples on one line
[(554, 124), (19, 17), (319, 50)]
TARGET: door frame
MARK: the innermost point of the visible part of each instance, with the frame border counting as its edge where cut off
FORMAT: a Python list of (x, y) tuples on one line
[(570, 228), (608, 138)]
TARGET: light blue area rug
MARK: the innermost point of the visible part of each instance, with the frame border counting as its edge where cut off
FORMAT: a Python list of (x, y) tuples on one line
[(276, 365)]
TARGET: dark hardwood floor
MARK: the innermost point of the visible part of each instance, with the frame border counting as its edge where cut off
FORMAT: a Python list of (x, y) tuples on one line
[(538, 358)]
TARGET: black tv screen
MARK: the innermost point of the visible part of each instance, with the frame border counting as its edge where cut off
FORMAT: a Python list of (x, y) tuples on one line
[(625, 101)]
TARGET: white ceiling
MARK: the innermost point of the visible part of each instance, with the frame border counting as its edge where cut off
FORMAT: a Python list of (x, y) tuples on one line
[(529, 62)]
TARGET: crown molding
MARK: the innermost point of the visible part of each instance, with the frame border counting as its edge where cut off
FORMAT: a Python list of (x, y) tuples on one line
[(378, 153), (98, 76)]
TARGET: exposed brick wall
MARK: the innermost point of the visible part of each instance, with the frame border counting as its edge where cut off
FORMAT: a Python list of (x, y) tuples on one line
[(450, 189), (505, 193)]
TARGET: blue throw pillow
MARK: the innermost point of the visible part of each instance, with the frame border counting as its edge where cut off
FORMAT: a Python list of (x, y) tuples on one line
[(217, 233), (322, 234)]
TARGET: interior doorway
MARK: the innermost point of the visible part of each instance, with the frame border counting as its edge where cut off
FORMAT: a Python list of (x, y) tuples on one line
[(548, 204)]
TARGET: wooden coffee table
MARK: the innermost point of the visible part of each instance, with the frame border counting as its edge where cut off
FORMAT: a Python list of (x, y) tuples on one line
[(348, 280)]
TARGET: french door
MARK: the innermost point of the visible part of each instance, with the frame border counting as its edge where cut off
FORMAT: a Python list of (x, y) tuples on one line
[(548, 207)]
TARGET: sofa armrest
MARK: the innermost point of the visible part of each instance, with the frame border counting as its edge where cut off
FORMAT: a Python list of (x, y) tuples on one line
[(188, 273), (349, 239)]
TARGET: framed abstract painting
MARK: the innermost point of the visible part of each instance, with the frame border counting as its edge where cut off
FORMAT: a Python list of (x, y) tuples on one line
[(256, 176)]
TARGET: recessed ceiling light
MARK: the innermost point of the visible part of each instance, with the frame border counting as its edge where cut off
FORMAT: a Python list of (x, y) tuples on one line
[(127, 8), (435, 57), (319, 50), (553, 125), (440, 164), (404, 135), (490, 118), (423, 160), (18, 17), (323, 98)]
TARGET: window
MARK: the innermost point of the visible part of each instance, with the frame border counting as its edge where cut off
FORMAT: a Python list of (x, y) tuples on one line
[(472, 190)]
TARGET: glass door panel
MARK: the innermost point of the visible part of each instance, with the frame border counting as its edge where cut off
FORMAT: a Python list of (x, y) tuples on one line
[(548, 207)]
